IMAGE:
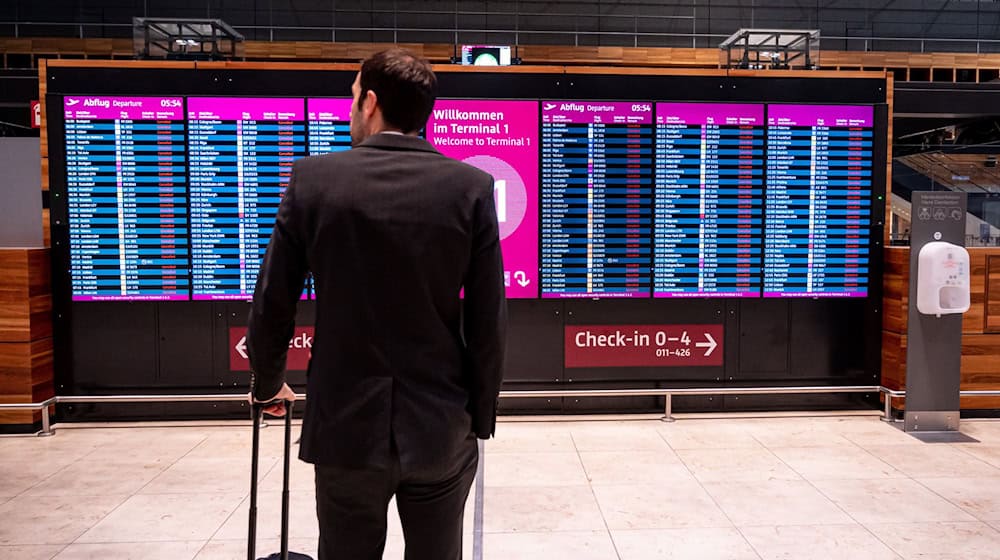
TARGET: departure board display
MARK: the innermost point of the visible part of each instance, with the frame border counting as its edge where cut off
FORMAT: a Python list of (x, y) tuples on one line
[(709, 200), (241, 154), (329, 131), (174, 198), (501, 138), (329, 125), (819, 189), (125, 174), (597, 194)]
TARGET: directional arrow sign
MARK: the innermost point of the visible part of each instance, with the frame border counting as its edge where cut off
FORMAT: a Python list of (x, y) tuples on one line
[(710, 344), (299, 348), (522, 278), (646, 346), (241, 348)]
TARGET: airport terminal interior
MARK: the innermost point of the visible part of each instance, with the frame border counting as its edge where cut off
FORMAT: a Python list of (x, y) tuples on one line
[(751, 259)]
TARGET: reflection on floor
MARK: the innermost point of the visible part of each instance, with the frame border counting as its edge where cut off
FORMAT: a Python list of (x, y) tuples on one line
[(701, 488)]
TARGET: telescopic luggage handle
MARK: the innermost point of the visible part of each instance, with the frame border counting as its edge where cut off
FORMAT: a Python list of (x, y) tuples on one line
[(257, 410)]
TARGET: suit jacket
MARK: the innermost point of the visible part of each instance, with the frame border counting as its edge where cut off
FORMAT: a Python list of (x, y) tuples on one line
[(392, 231)]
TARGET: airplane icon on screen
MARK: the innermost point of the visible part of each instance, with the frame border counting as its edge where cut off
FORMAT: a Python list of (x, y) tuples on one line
[(71, 102), (549, 106)]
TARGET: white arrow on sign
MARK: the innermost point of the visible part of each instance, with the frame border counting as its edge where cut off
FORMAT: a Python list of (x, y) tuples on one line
[(241, 347), (522, 278), (710, 344)]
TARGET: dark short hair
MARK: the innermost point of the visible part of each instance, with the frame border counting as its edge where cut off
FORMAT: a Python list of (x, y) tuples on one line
[(405, 85)]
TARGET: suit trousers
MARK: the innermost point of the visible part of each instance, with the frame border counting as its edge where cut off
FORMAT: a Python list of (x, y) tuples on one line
[(351, 505)]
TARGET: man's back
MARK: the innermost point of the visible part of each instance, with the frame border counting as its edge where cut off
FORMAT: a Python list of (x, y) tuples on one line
[(389, 230), (404, 375)]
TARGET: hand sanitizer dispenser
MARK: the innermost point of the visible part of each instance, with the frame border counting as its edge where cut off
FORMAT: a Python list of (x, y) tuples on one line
[(942, 279)]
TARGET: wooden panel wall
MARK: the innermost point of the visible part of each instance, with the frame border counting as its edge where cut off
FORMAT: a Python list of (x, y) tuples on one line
[(26, 373), (906, 66), (992, 295), (980, 332)]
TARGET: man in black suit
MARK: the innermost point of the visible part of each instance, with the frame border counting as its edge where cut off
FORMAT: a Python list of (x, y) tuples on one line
[(404, 373)]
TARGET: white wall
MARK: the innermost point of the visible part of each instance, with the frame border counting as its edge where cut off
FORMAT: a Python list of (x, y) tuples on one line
[(20, 193)]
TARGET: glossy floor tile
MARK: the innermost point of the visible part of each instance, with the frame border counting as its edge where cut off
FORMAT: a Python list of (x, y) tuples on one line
[(721, 488), (52, 520), (977, 496), (660, 506), (164, 517), (218, 549), (932, 460), (943, 540), (634, 467), (830, 542), (619, 436), (541, 509), (96, 478), (835, 463), (775, 502), (683, 544), (132, 551), (31, 552), (989, 453), (534, 469), (17, 476), (532, 437), (890, 501), (546, 546), (717, 465)]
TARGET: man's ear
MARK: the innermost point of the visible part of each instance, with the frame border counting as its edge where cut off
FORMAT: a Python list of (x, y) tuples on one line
[(370, 101)]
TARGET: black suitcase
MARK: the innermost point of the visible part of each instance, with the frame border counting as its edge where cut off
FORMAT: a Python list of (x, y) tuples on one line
[(258, 411)]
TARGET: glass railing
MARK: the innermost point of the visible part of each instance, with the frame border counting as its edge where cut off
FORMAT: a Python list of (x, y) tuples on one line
[(975, 174)]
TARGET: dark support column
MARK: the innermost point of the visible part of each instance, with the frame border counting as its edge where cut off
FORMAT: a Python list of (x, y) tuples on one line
[(934, 344)]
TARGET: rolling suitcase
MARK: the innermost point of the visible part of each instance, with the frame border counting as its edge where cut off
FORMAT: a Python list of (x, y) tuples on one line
[(258, 411)]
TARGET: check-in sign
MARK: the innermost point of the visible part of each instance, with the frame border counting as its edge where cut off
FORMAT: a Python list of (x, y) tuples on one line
[(299, 348), (589, 346)]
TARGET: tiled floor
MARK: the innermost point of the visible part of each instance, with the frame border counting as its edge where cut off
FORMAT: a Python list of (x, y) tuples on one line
[(830, 487)]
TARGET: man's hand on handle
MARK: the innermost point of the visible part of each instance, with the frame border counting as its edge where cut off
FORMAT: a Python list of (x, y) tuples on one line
[(278, 409)]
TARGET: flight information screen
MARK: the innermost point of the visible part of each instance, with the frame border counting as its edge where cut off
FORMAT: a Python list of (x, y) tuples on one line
[(819, 189), (597, 191), (709, 193), (241, 154), (329, 131), (126, 193), (501, 138), (329, 125)]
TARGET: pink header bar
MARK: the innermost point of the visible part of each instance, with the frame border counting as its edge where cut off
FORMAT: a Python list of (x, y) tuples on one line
[(597, 112), (148, 297), (246, 108), (710, 113), (755, 292), (821, 115), (336, 109), (134, 108), (222, 297), (854, 294)]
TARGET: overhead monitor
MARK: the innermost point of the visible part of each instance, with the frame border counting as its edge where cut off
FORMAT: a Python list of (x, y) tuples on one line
[(501, 138), (329, 125), (241, 154), (709, 199), (126, 190), (486, 55), (597, 195), (819, 198), (594, 199)]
